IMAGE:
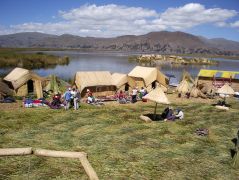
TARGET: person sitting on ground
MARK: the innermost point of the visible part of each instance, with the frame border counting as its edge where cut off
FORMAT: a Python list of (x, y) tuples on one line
[(56, 101), (172, 117), (188, 94), (90, 97), (179, 95), (165, 113), (179, 115), (170, 114), (67, 98), (121, 97), (134, 95), (221, 103)]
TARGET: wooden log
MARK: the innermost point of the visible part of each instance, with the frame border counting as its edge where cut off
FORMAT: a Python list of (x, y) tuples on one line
[(82, 156), (15, 151), (145, 118), (60, 154), (222, 107), (88, 168)]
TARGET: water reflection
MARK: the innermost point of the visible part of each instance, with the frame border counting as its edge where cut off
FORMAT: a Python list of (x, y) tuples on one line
[(118, 62)]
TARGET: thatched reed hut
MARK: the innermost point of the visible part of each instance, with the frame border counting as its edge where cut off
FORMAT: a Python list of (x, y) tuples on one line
[(120, 81), (147, 77), (98, 82), (183, 87), (23, 82)]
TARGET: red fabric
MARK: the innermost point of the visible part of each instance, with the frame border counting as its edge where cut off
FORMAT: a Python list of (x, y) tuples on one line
[(37, 101)]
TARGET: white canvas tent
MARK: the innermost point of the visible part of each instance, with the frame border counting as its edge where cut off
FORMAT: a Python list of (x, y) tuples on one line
[(23, 81), (99, 82), (119, 80), (226, 89), (145, 76)]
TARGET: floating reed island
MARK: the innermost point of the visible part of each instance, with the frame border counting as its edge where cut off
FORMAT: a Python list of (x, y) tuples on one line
[(153, 59), (30, 60)]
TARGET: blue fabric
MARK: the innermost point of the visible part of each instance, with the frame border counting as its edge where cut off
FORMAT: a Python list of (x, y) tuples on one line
[(236, 76), (67, 96), (218, 74), (28, 101)]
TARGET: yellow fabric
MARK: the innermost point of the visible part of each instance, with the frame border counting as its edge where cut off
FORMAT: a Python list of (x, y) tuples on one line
[(211, 73)]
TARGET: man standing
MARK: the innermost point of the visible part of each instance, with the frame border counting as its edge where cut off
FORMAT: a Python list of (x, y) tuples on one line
[(134, 95), (67, 98)]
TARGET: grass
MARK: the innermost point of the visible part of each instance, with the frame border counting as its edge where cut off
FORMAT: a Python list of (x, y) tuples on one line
[(17, 57), (119, 145)]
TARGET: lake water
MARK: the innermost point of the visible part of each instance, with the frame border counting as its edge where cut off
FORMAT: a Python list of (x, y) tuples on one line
[(118, 62)]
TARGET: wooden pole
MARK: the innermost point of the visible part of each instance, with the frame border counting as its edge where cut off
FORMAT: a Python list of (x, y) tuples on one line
[(15, 151), (155, 111), (88, 168), (64, 154), (60, 154)]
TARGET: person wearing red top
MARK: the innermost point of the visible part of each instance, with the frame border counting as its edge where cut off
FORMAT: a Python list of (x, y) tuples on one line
[(121, 98)]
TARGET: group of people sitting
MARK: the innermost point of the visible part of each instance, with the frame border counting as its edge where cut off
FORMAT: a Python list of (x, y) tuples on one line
[(187, 95), (169, 115), (125, 97)]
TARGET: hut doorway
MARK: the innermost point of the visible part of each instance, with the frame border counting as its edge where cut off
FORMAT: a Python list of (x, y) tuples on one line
[(126, 88), (30, 87), (153, 85)]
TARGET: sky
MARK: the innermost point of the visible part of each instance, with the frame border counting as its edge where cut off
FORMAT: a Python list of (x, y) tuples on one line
[(111, 18)]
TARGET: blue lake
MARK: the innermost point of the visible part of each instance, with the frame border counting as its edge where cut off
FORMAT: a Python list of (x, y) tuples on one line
[(118, 62)]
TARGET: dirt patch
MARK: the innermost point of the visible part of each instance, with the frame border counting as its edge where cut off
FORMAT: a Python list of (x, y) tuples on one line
[(11, 106)]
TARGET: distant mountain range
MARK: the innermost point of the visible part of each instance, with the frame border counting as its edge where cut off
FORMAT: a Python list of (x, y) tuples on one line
[(160, 42)]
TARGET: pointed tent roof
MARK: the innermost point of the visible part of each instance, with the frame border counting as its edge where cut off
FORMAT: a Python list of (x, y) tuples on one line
[(186, 76), (19, 76), (226, 89), (149, 75), (183, 87), (119, 79), (157, 95)]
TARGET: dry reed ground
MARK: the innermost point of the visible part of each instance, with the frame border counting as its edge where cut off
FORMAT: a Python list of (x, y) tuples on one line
[(119, 145)]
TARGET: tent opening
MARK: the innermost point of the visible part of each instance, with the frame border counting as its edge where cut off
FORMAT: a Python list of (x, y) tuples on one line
[(154, 84), (126, 88), (30, 87)]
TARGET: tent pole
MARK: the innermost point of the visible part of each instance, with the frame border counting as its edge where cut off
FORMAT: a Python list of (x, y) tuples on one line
[(155, 111)]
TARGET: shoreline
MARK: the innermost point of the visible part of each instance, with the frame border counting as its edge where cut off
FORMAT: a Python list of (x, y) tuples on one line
[(94, 51)]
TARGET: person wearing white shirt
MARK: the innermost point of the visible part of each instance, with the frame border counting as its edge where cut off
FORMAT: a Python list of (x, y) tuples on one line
[(134, 95), (180, 114)]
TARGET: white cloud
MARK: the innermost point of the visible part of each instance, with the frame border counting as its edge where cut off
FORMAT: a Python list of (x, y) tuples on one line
[(193, 14), (107, 12), (235, 24), (114, 20)]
